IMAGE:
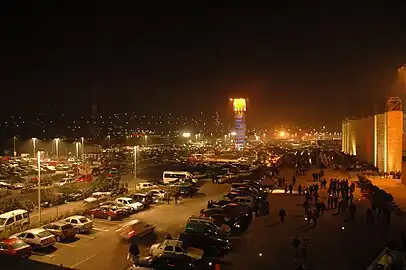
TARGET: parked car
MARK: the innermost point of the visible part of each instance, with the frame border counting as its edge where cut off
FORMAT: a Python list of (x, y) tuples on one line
[(168, 261), (145, 198), (136, 206), (175, 247), (127, 210), (106, 212), (36, 238), (62, 230), (54, 200), (81, 224), (15, 247)]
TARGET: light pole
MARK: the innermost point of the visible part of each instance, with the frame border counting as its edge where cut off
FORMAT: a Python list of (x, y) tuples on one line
[(33, 144), (109, 138), (135, 162), (146, 139), (57, 147), (83, 147), (77, 149), (14, 146), (39, 185)]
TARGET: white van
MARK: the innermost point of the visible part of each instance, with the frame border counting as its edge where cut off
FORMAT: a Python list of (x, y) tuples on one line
[(14, 219), (169, 177)]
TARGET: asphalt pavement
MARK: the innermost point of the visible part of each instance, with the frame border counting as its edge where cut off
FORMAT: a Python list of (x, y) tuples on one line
[(335, 243), (103, 250)]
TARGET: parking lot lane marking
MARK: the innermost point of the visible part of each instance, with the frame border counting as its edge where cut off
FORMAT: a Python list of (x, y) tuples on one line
[(101, 230), (82, 261), (85, 236), (50, 255), (67, 244)]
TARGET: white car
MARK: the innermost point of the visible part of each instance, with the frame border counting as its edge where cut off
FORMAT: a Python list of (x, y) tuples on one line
[(37, 238), (145, 185), (80, 223), (136, 206), (157, 193), (176, 247)]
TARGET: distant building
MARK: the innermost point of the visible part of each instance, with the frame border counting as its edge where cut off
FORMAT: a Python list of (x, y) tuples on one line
[(240, 127), (377, 139)]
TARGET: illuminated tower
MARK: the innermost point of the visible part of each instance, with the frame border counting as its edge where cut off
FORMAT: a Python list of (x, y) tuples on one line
[(239, 109)]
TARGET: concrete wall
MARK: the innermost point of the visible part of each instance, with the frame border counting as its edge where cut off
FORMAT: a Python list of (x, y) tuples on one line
[(394, 120), (376, 139), (365, 139)]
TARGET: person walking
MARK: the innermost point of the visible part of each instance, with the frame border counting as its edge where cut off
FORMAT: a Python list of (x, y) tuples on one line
[(134, 253), (296, 245), (304, 249), (282, 215)]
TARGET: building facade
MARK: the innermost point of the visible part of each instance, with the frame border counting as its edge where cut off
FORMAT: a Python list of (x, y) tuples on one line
[(376, 139)]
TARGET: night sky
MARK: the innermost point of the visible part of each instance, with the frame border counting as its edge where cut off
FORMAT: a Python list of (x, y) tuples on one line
[(293, 64)]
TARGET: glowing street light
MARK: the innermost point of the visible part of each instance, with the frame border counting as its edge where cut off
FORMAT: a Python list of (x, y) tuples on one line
[(186, 134), (83, 146), (233, 133), (109, 138), (57, 147), (14, 146), (33, 144), (282, 134), (146, 139), (77, 149)]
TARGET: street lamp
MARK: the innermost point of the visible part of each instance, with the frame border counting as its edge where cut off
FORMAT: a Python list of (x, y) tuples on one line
[(33, 144), (39, 185), (57, 147), (77, 149), (109, 138), (83, 147), (146, 138), (135, 161), (186, 134), (14, 146)]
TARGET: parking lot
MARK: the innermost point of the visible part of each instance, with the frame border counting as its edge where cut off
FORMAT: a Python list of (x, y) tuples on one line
[(102, 249)]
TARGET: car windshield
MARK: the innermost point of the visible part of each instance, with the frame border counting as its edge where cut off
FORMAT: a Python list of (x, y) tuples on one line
[(130, 201), (44, 234), (18, 244), (67, 227), (2, 221), (83, 220)]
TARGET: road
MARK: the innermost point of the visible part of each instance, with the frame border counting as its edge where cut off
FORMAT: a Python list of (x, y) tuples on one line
[(267, 244), (103, 250)]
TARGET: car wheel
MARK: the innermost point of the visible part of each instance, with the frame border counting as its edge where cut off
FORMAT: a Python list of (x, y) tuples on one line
[(109, 218), (92, 215), (58, 238), (77, 231)]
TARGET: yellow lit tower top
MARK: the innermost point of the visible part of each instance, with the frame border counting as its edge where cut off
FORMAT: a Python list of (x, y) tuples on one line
[(239, 104)]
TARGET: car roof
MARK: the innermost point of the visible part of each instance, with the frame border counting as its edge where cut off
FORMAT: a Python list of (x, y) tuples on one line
[(12, 241), (76, 216), (131, 222), (124, 198), (35, 230), (176, 243), (59, 222), (12, 213)]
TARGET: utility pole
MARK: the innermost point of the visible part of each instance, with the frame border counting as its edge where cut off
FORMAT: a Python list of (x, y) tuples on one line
[(135, 167), (14, 146), (39, 185)]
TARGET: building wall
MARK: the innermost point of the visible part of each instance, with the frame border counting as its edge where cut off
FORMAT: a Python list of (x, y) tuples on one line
[(394, 120), (349, 137), (380, 141), (365, 139)]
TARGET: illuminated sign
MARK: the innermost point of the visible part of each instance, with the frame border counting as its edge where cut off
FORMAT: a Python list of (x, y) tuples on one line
[(239, 105)]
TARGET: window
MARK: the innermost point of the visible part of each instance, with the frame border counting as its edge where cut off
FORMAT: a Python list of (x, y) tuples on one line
[(19, 217), (10, 221), (178, 249), (168, 248), (74, 221), (25, 215), (30, 236)]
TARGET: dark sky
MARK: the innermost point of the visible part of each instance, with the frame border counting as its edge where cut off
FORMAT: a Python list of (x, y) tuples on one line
[(293, 64)]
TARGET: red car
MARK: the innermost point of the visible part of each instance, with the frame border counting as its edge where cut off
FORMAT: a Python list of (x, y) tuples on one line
[(15, 247), (84, 178), (107, 212)]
